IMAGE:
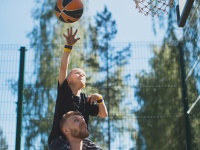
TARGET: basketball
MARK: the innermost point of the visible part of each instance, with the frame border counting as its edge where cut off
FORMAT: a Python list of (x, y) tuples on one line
[(69, 11)]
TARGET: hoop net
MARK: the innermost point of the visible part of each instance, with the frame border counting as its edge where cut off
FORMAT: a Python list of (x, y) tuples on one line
[(153, 7)]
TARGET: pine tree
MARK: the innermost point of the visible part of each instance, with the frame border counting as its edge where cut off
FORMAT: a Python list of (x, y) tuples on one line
[(110, 82)]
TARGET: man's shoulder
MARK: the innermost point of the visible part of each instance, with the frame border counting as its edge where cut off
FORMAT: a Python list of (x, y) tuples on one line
[(59, 143), (89, 145)]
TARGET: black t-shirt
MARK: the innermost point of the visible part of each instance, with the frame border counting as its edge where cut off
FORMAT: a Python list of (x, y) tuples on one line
[(66, 102)]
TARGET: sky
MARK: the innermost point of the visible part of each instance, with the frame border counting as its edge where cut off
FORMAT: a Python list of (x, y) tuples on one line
[(132, 26), (16, 22)]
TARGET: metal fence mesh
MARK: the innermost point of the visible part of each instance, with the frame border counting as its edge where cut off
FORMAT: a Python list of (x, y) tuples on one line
[(144, 98)]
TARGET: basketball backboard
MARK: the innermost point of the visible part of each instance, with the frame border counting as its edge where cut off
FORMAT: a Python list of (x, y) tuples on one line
[(183, 10)]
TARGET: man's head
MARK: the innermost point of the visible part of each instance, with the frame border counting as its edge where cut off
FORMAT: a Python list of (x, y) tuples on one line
[(73, 125), (76, 77)]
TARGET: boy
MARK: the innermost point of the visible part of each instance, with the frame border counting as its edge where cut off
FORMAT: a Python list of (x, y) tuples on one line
[(70, 98)]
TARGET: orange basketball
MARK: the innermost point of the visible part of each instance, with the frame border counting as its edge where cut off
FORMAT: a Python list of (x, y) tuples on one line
[(69, 11)]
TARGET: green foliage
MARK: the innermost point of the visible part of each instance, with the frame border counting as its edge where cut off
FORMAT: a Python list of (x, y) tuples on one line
[(158, 90), (190, 39), (160, 118), (3, 144)]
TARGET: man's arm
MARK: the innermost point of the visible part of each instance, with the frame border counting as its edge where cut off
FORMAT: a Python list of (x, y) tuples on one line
[(70, 40), (102, 107)]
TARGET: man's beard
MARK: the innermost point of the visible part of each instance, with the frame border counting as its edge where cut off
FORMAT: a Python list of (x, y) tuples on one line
[(79, 134)]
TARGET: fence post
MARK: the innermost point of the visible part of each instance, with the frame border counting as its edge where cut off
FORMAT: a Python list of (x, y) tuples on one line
[(184, 97), (20, 99)]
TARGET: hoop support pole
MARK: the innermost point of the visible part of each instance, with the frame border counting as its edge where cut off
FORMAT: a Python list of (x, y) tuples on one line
[(184, 98)]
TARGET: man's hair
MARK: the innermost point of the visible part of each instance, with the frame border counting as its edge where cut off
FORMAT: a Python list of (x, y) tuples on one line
[(65, 116)]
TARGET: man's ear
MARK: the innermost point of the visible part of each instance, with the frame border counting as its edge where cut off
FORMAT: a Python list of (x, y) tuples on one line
[(65, 131)]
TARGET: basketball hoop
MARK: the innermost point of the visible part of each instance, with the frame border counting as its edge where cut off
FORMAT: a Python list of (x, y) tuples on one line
[(153, 7)]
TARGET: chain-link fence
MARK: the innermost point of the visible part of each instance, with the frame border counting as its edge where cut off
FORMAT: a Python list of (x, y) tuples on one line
[(140, 82)]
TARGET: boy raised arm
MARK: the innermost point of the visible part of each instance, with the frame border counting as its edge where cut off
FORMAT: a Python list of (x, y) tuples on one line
[(70, 41)]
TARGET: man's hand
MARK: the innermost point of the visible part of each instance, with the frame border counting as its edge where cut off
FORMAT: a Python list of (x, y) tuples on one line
[(93, 98), (70, 38)]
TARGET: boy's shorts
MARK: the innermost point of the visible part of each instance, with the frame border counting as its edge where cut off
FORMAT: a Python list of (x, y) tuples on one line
[(61, 143)]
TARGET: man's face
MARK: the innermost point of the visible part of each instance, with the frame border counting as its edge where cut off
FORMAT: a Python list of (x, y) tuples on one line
[(77, 76), (77, 127)]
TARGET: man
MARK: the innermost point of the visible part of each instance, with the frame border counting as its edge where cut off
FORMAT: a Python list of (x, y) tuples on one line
[(74, 128)]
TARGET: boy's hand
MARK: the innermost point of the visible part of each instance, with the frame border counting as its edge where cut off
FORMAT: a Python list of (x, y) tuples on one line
[(93, 98), (70, 38)]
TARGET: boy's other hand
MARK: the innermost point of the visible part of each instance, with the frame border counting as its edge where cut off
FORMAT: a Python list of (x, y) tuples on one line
[(93, 98), (70, 38)]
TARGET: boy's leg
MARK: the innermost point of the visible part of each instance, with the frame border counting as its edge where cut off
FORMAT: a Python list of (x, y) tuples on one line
[(89, 145), (59, 143)]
